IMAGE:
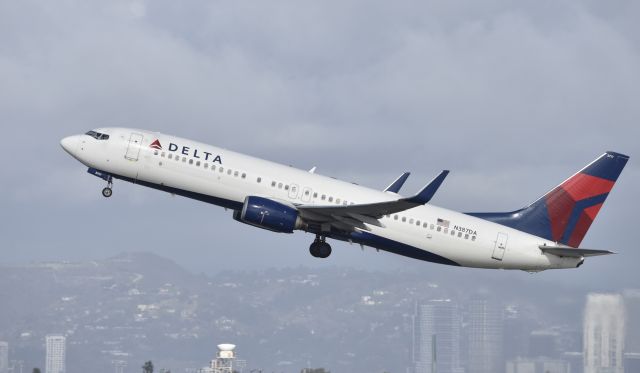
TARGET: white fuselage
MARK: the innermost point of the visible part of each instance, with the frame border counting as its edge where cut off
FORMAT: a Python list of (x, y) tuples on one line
[(226, 178)]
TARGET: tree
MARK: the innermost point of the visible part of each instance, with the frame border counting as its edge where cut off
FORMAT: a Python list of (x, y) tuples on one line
[(147, 367), (36, 370)]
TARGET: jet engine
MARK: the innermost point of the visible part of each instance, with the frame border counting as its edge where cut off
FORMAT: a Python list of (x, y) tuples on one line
[(268, 214)]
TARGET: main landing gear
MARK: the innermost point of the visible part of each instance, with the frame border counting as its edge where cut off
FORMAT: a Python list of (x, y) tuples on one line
[(108, 191), (320, 248)]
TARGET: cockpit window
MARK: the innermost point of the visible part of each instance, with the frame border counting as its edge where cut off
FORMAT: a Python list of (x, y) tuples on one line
[(98, 135)]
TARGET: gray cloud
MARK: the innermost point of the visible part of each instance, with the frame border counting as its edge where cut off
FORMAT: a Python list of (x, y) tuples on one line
[(513, 97)]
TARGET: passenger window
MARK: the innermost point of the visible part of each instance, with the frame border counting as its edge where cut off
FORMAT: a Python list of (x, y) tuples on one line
[(286, 187), (198, 163), (244, 176), (259, 180), (206, 166), (473, 238), (411, 221), (330, 199), (162, 155), (315, 195), (459, 234), (213, 167), (344, 203), (323, 197), (229, 172), (432, 227), (446, 230), (273, 184), (466, 236), (338, 201), (395, 217), (418, 223), (170, 156), (404, 219), (184, 159), (453, 233), (155, 152), (190, 161), (221, 169), (439, 228), (236, 174), (306, 192), (279, 185)]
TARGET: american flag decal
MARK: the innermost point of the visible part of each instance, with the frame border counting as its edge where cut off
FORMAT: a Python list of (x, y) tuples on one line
[(443, 223)]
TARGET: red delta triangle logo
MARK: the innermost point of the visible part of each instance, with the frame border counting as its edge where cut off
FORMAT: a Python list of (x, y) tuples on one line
[(156, 145)]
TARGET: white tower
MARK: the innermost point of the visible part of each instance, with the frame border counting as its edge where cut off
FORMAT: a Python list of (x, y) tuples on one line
[(56, 354), (603, 336), (4, 357)]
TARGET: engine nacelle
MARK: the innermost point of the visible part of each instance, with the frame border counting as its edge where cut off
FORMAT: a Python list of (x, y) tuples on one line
[(268, 214)]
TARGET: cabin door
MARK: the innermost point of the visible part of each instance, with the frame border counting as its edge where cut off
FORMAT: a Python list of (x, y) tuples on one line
[(501, 246), (133, 148)]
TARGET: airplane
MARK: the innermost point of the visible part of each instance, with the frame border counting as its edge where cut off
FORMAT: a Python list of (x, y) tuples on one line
[(545, 234)]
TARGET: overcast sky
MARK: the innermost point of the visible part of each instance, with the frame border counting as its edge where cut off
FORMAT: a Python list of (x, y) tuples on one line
[(512, 96)]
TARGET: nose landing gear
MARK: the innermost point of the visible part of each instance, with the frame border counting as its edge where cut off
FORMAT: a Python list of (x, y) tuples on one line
[(320, 248), (108, 191)]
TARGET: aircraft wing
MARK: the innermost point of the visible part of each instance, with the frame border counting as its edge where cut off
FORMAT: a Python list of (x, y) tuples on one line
[(369, 213), (572, 252)]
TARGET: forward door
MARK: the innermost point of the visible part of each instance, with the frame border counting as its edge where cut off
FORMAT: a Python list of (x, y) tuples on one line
[(133, 148)]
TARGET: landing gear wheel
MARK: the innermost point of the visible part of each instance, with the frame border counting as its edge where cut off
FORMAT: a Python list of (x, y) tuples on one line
[(319, 248), (107, 192)]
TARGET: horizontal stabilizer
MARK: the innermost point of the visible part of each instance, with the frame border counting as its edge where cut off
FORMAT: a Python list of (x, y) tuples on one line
[(398, 183), (571, 252)]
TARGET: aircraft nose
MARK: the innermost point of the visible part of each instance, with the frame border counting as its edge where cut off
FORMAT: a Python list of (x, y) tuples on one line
[(69, 144)]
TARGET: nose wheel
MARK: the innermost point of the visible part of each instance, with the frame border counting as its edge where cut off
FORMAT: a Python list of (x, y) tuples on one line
[(320, 248), (108, 191)]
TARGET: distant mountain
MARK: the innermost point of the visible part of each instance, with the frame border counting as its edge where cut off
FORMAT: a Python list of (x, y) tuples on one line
[(139, 306)]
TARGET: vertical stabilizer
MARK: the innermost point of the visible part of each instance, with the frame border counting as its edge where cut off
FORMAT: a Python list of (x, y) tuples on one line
[(565, 214)]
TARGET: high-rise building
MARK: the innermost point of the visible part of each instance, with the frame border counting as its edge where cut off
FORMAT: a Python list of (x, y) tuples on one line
[(484, 333), (603, 336), (4, 357), (56, 354), (632, 322), (436, 337)]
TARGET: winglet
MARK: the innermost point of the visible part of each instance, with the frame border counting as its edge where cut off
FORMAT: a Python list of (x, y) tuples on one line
[(312, 170), (429, 190), (398, 183)]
